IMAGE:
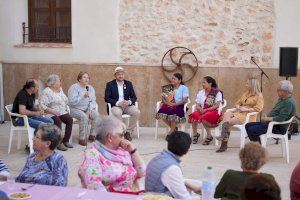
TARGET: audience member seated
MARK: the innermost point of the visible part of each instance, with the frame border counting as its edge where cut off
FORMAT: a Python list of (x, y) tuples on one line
[(295, 183), (284, 109), (83, 106), (172, 110), (163, 173), (261, 187), (4, 172), (120, 94), (24, 105), (55, 103), (251, 101), (111, 162), (207, 103), (253, 156), (45, 166)]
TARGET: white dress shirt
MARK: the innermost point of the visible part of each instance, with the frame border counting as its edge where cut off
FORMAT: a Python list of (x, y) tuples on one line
[(172, 178)]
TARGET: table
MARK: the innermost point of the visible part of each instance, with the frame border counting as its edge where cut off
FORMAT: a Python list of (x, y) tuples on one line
[(46, 192)]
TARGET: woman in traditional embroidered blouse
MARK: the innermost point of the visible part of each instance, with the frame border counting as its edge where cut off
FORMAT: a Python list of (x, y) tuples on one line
[(45, 166), (207, 104), (251, 101), (111, 163), (172, 110), (55, 103)]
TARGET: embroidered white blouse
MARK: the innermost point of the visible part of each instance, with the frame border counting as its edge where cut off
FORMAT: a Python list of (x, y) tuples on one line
[(57, 101)]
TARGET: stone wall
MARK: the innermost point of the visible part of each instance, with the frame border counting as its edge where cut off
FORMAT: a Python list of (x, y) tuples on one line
[(147, 82), (220, 32)]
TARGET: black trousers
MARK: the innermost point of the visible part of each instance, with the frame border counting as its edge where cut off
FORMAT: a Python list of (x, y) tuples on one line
[(68, 120), (255, 129)]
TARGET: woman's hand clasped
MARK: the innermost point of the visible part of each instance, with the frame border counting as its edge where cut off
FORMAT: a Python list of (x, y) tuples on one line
[(126, 145)]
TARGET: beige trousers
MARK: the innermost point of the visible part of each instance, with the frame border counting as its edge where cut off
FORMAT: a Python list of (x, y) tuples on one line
[(133, 111), (83, 119)]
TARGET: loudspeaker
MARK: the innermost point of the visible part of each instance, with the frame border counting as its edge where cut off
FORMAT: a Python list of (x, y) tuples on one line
[(288, 61)]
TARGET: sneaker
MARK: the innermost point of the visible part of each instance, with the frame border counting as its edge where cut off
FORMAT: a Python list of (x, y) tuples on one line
[(61, 147)]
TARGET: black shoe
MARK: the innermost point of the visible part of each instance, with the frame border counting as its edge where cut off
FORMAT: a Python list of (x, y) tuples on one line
[(196, 138), (127, 136), (27, 149)]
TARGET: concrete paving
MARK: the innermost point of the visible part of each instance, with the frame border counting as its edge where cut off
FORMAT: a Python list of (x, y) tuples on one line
[(193, 164)]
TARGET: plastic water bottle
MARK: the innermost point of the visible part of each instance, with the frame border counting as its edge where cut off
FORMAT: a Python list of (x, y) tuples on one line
[(208, 184)]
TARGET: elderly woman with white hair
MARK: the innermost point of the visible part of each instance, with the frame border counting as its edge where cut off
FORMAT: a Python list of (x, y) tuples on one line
[(111, 162), (284, 109), (55, 104)]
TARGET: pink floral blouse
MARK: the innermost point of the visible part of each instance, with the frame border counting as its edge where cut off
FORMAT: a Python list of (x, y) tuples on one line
[(99, 173)]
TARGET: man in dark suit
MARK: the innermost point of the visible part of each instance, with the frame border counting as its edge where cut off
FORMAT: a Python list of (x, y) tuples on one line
[(120, 94)]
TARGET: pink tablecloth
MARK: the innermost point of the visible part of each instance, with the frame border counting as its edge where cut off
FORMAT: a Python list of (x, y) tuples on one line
[(44, 192)]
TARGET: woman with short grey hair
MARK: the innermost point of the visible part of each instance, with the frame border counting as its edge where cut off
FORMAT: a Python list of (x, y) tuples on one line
[(111, 162), (45, 166), (55, 104), (284, 110)]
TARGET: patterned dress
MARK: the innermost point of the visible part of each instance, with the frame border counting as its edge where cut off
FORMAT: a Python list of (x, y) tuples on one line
[(97, 172), (210, 118), (51, 171)]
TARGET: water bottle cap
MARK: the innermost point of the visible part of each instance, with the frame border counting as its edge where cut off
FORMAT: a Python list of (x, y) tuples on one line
[(209, 167)]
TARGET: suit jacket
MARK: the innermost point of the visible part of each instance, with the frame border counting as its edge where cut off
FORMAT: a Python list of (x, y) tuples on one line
[(112, 94)]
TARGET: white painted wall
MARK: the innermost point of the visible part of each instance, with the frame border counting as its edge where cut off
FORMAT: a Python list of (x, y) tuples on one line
[(95, 37), (95, 32), (287, 30)]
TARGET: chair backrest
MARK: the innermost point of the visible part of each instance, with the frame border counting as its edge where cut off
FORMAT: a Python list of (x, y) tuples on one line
[(9, 109), (222, 105)]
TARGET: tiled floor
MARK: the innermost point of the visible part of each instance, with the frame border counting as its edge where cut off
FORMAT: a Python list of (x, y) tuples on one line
[(193, 164)]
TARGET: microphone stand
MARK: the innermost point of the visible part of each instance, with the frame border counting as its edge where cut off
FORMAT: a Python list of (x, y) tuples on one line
[(262, 74)]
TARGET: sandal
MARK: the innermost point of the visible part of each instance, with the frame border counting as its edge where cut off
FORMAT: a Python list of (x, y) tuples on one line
[(195, 138), (207, 141)]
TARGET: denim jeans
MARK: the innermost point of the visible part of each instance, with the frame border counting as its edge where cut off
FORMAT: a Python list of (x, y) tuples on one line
[(255, 129), (35, 121)]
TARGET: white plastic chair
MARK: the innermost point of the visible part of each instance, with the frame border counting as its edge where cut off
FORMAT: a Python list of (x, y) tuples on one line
[(270, 134), (126, 116), (241, 127), (13, 128), (158, 106), (216, 130)]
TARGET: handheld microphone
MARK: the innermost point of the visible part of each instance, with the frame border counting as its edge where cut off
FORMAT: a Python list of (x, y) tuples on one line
[(87, 88)]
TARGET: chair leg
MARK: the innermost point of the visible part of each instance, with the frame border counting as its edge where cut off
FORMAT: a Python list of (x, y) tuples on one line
[(10, 139), (217, 133), (243, 137), (287, 150), (263, 140), (191, 131), (30, 138), (19, 140), (138, 128), (156, 128)]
